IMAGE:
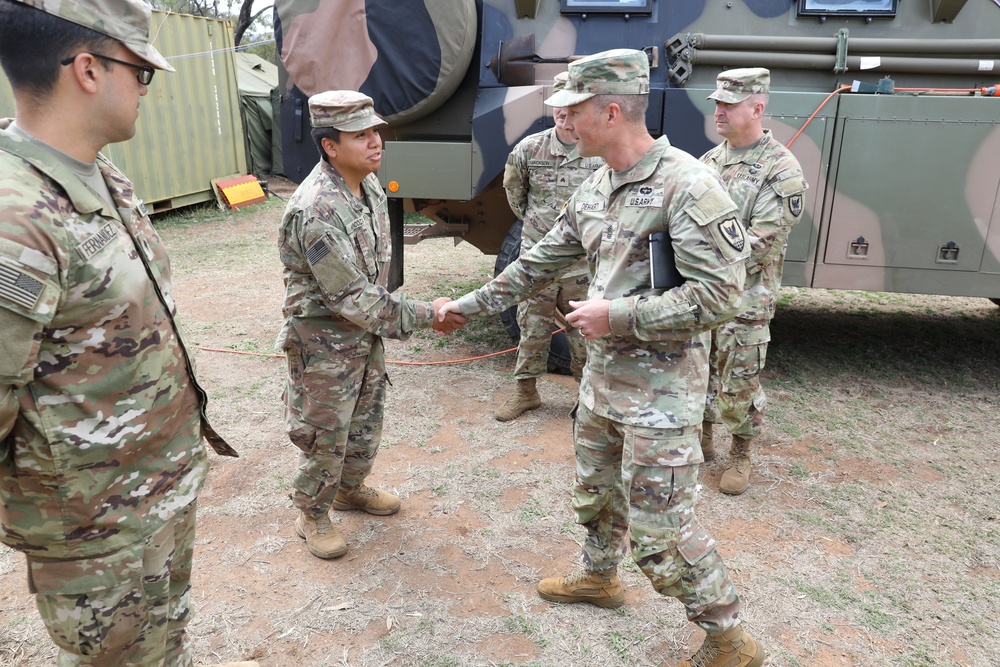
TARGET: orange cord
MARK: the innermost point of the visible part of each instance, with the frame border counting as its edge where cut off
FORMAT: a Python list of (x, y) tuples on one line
[(809, 120), (397, 363)]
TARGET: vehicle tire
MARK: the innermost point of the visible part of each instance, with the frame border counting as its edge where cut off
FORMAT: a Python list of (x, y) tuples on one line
[(510, 250), (996, 301)]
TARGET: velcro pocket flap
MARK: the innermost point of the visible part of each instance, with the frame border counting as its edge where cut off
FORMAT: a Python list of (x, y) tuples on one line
[(85, 575)]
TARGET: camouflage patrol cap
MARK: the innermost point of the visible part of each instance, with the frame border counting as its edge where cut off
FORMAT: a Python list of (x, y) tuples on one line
[(735, 85), (128, 21), (344, 110), (615, 72), (560, 80)]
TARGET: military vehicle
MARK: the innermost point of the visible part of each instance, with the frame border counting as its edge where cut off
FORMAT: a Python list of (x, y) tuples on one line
[(890, 106)]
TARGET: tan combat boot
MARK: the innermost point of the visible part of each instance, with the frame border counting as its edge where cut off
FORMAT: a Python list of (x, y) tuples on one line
[(736, 477), (323, 540), (603, 589), (366, 499), (525, 398), (733, 648), (707, 446)]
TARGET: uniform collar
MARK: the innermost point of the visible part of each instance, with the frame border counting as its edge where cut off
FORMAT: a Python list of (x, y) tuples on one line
[(749, 154), (557, 149), (647, 164), (84, 200), (374, 194)]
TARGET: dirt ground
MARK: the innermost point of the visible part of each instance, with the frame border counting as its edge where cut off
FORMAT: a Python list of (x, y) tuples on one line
[(869, 535)]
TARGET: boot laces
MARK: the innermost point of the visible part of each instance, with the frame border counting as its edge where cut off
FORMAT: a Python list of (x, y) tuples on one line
[(323, 524), (576, 578), (706, 654)]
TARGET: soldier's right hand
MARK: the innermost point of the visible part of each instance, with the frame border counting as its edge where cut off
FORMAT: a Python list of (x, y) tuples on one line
[(447, 317)]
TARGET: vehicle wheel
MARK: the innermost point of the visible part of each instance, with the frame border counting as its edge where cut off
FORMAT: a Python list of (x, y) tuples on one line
[(559, 357), (996, 301)]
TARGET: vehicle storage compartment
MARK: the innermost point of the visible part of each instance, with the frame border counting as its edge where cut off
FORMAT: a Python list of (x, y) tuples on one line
[(932, 165)]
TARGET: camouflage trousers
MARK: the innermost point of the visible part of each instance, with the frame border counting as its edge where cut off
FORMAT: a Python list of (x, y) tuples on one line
[(644, 481), (735, 395), (536, 317), (130, 607), (337, 432)]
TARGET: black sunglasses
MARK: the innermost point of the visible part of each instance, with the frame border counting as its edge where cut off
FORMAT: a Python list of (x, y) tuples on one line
[(143, 72)]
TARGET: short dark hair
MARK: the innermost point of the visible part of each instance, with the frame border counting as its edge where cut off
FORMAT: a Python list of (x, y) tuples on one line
[(33, 43), (321, 133)]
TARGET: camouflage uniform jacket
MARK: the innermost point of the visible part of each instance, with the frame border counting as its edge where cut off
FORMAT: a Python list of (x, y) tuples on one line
[(539, 178), (100, 415), (766, 182), (652, 370), (336, 252)]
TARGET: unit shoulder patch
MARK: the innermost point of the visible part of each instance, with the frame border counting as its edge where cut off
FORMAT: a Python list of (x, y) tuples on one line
[(795, 205), (730, 237)]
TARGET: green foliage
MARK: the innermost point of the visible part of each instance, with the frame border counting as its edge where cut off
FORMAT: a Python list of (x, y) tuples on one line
[(533, 509)]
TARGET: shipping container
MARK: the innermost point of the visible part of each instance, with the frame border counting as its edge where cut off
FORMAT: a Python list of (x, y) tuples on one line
[(189, 130)]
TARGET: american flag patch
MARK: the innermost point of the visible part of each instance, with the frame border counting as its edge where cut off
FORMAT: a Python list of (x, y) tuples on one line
[(19, 287), (317, 251)]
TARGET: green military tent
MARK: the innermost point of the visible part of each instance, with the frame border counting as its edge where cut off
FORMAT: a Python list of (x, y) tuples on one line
[(257, 81)]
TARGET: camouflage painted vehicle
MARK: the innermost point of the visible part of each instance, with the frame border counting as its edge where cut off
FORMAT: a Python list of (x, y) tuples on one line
[(901, 143)]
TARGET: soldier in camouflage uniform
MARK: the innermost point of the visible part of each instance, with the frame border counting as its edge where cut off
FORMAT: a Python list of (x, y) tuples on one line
[(542, 171), (334, 243), (766, 182), (637, 424), (101, 418)]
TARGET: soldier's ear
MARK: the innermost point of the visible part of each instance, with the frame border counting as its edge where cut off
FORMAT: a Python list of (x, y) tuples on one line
[(82, 69), (329, 147), (612, 112)]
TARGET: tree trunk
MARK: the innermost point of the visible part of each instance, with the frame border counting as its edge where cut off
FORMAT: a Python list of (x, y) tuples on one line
[(245, 18)]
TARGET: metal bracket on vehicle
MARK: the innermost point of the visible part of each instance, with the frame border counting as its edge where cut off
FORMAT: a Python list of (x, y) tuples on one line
[(653, 54), (438, 215), (841, 65), (678, 50), (676, 44), (526, 9)]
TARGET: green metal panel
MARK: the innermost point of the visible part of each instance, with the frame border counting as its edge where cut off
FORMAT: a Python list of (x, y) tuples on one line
[(907, 188), (912, 203), (189, 129), (434, 170)]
